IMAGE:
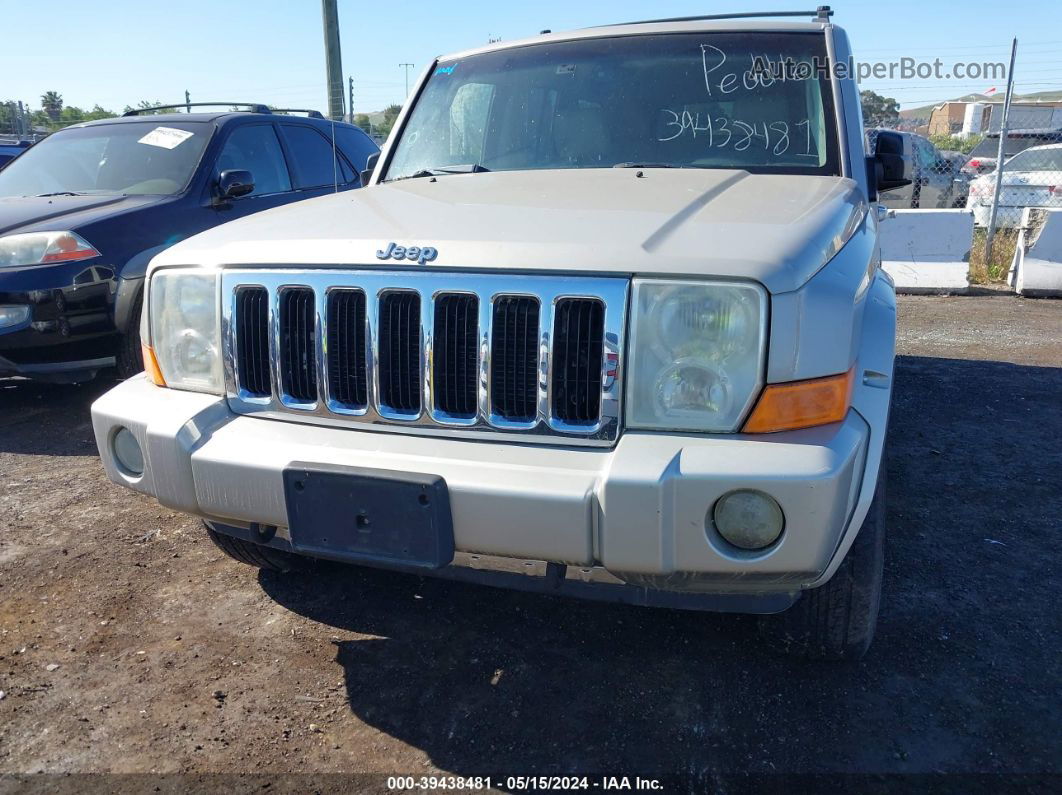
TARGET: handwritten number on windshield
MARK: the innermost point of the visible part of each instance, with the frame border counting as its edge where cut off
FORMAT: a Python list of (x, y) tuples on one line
[(782, 145), (742, 135)]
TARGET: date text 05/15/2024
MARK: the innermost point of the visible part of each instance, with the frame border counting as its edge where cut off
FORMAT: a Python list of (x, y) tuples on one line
[(524, 783)]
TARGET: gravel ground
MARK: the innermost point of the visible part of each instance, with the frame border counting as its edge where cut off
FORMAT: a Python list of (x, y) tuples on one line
[(129, 644)]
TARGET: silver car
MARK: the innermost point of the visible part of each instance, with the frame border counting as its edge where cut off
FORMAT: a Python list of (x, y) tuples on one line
[(1032, 178), (608, 321)]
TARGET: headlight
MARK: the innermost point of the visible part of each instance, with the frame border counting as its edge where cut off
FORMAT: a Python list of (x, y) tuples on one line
[(14, 315), (697, 354), (41, 248), (184, 328)]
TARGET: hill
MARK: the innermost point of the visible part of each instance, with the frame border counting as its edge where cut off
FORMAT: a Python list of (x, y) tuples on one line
[(1039, 96)]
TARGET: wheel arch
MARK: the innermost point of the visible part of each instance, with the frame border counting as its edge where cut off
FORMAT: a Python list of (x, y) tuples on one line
[(130, 285)]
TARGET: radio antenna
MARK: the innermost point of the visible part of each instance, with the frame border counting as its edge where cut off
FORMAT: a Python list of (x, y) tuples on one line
[(335, 162)]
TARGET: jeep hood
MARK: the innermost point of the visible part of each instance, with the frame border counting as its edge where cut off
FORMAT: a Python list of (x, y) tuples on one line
[(776, 229)]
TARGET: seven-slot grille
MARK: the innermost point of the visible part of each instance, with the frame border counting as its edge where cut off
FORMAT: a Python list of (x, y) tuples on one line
[(443, 351)]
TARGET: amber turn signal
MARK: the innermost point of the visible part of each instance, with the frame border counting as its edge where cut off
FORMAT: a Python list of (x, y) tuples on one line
[(801, 404), (151, 366)]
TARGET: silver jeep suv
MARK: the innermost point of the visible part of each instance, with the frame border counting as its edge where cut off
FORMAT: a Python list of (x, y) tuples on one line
[(608, 321)]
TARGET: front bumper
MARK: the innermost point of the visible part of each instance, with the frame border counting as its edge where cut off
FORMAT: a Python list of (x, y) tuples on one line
[(637, 510), (70, 334), (62, 372)]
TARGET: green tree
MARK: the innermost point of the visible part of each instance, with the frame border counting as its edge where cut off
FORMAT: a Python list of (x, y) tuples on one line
[(68, 114), (52, 104), (8, 120), (99, 113), (144, 105), (390, 114), (71, 114), (362, 120), (878, 111)]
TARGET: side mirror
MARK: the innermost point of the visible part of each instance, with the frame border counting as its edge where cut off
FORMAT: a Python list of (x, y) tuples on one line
[(234, 183), (370, 167), (887, 168)]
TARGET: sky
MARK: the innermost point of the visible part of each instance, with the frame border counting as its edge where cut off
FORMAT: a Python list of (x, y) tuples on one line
[(119, 52)]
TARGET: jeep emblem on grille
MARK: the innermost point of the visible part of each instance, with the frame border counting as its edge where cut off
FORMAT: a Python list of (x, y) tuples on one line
[(419, 254)]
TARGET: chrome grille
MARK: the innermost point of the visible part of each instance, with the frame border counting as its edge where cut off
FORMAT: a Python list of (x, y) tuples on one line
[(481, 355)]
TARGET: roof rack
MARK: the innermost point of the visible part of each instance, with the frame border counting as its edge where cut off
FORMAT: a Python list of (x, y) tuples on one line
[(313, 114), (821, 14), (254, 107)]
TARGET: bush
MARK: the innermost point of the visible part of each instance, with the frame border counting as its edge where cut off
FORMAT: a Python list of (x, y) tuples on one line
[(992, 268), (956, 143)]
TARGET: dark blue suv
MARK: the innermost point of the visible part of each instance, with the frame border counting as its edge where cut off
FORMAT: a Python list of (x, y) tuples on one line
[(83, 211)]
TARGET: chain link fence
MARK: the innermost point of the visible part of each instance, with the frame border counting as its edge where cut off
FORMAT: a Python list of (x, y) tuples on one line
[(954, 157)]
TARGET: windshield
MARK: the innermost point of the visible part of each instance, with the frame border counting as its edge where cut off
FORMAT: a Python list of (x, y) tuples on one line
[(122, 158), (1039, 159), (684, 100)]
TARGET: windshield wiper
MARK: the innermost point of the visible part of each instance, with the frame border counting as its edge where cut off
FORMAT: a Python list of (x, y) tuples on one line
[(462, 168), (60, 193), (645, 165)]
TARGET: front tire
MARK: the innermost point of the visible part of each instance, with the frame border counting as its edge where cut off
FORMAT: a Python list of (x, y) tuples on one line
[(261, 557), (836, 621)]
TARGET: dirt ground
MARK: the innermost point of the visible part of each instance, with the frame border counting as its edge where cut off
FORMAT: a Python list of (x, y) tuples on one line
[(130, 644)]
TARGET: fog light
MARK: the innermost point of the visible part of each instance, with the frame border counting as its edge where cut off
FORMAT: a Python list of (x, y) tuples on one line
[(748, 519), (127, 451), (13, 315)]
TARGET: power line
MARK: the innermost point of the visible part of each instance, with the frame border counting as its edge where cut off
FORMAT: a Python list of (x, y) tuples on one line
[(1045, 43)]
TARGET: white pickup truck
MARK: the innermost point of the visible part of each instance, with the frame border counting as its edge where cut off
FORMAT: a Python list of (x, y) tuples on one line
[(607, 321)]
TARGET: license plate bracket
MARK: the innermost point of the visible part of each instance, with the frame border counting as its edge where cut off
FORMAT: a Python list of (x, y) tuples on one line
[(356, 514)]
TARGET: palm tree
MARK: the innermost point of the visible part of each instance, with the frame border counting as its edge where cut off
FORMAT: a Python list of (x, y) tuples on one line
[(52, 102)]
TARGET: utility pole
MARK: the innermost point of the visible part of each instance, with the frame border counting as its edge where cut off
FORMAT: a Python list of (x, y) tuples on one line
[(407, 66), (333, 59), (187, 101), (350, 97)]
